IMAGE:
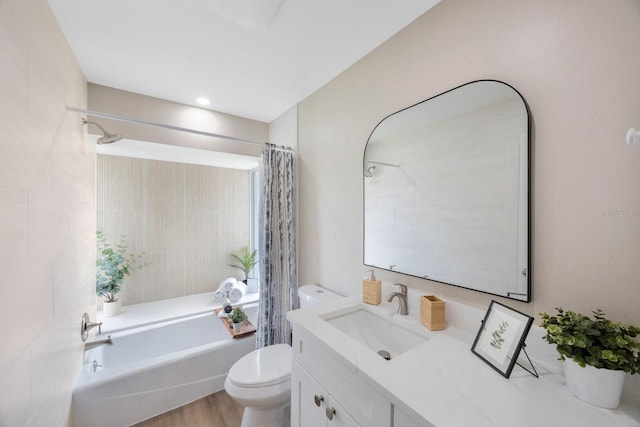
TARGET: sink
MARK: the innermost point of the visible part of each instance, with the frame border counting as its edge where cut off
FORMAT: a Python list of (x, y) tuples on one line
[(379, 333)]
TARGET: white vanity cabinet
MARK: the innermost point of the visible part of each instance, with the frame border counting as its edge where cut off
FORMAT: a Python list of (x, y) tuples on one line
[(312, 405), (328, 391)]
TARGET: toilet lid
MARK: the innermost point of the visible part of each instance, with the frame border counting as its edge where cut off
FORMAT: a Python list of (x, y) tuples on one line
[(263, 367)]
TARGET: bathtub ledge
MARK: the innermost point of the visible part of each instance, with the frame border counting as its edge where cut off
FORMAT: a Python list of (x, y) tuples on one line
[(138, 315)]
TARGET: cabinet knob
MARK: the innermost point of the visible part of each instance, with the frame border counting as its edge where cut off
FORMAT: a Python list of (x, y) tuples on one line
[(318, 399), (330, 412)]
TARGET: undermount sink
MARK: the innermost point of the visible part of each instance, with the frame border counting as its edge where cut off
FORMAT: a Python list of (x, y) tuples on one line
[(380, 334)]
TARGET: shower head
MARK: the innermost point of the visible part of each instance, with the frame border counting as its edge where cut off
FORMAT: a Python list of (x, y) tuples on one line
[(369, 172), (106, 138)]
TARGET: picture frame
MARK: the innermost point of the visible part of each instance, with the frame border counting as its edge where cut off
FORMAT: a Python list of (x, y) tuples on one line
[(501, 337)]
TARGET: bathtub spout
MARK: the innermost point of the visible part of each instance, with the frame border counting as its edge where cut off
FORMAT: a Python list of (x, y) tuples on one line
[(96, 343)]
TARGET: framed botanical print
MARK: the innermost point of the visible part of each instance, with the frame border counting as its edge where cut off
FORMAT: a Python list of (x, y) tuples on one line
[(501, 337)]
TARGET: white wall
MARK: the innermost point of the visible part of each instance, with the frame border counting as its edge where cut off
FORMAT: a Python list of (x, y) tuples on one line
[(47, 217), (577, 63), (284, 129)]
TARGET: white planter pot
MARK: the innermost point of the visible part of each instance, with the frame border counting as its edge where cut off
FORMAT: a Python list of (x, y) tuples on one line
[(236, 327), (598, 387), (110, 309)]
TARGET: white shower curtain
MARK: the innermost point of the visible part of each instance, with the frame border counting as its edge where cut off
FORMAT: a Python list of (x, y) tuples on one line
[(278, 262)]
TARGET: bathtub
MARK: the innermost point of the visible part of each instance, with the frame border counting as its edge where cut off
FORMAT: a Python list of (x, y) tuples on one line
[(154, 368)]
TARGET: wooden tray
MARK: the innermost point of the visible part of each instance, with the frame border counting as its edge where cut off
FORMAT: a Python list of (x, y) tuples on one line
[(246, 328)]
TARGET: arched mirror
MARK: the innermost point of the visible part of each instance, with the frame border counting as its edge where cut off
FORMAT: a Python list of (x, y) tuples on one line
[(446, 190)]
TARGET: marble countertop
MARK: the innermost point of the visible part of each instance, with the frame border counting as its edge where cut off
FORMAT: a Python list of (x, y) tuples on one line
[(443, 382)]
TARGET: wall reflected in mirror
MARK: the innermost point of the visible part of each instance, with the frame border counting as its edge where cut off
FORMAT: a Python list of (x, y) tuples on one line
[(446, 190)]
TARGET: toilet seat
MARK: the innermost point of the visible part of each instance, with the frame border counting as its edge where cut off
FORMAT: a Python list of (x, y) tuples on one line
[(265, 367)]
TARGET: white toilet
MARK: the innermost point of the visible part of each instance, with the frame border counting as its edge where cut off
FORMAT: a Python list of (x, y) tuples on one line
[(261, 380)]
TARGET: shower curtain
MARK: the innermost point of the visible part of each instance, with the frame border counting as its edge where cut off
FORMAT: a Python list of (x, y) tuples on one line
[(277, 235)]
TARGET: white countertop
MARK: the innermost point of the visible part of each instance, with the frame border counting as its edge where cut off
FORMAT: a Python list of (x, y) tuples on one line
[(443, 382)]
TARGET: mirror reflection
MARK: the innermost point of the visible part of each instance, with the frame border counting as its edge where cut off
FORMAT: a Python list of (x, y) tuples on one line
[(446, 190)]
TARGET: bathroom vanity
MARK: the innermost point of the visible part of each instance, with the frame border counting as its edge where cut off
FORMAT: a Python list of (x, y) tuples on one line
[(431, 379), (326, 391)]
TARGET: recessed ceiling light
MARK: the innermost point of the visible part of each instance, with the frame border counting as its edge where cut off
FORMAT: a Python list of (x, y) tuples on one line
[(203, 101)]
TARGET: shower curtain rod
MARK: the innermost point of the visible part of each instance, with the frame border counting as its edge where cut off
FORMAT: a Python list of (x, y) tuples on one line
[(159, 125)]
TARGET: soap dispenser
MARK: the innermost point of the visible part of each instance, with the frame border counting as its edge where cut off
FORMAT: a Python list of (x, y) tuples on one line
[(371, 289)]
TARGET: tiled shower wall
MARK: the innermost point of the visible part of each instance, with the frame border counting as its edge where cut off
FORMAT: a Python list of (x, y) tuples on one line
[(187, 219), (47, 217)]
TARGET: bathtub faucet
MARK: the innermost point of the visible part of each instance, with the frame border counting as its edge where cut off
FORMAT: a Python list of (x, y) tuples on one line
[(86, 326), (96, 343)]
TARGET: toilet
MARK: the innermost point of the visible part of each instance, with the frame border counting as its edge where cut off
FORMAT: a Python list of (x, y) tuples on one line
[(261, 380)]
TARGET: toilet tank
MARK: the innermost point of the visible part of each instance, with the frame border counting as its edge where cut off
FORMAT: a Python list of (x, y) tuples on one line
[(314, 294)]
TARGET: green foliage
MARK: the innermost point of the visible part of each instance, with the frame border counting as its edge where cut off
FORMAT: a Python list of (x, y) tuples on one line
[(244, 260), (114, 264), (238, 315), (598, 342), (496, 336)]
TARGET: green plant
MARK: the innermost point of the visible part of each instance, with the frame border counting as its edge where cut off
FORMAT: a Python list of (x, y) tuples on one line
[(597, 342), (496, 336), (238, 315), (244, 260), (114, 264)]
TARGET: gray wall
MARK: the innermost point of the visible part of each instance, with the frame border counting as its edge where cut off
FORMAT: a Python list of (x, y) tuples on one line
[(576, 63), (186, 218)]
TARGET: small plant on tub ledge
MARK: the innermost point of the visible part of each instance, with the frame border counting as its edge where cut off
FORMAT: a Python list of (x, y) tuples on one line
[(597, 354), (237, 317), (114, 264)]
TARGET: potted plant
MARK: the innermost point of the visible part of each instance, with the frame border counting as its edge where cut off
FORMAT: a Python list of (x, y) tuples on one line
[(244, 260), (114, 264), (597, 354), (237, 317)]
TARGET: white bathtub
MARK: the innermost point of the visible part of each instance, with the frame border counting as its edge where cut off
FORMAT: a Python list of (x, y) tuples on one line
[(155, 368)]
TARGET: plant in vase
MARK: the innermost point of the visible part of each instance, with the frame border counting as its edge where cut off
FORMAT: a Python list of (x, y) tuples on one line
[(237, 317), (244, 260), (113, 265), (597, 354)]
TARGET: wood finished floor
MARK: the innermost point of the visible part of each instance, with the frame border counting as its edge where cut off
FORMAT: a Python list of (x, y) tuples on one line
[(215, 410)]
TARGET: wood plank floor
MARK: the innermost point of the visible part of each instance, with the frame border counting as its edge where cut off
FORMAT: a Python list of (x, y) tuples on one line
[(215, 410)]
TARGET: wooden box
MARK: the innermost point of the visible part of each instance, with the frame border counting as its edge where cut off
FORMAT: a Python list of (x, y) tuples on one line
[(432, 313)]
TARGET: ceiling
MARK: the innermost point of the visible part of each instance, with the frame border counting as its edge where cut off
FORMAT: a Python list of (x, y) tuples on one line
[(247, 65)]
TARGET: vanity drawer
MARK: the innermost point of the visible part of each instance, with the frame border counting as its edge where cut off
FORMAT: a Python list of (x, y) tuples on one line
[(342, 380)]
